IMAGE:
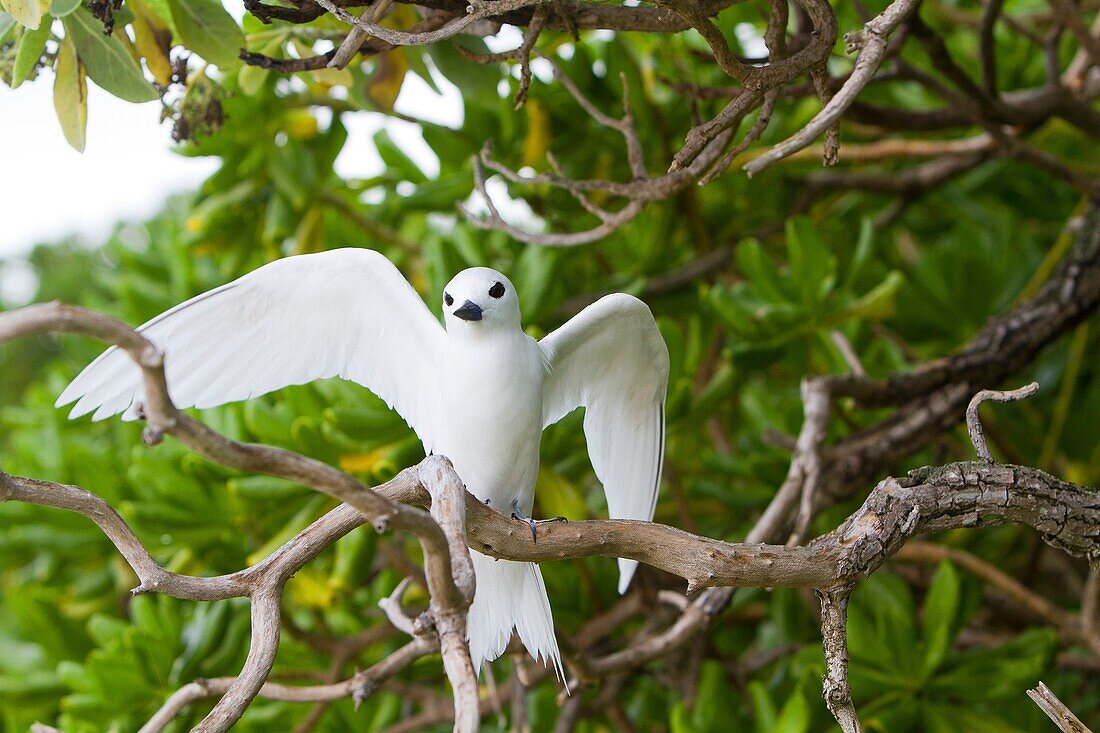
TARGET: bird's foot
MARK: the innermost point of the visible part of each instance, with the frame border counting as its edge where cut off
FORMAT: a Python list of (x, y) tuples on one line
[(517, 513)]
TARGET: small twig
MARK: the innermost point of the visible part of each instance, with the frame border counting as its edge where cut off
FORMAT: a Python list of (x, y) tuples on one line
[(522, 54), (991, 11), (831, 145), (805, 468), (677, 600), (1090, 604), (1056, 710), (974, 423), (395, 612), (855, 366)]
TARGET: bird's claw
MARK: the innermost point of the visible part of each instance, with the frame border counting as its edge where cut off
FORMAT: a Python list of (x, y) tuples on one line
[(532, 523)]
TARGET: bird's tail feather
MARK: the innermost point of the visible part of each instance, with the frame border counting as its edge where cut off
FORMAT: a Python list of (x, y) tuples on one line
[(510, 595)]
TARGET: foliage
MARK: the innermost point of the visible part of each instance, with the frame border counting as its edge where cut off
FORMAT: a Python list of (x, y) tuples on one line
[(902, 288)]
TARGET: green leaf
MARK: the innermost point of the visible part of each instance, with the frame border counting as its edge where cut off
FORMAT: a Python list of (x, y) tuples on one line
[(954, 718), (764, 711), (864, 247), (679, 721), (70, 95), (61, 8), (31, 46), (813, 266), (160, 9), (399, 164), (878, 303), (207, 29), (7, 25), (1003, 672), (795, 716), (558, 496), (754, 265), (27, 12), (941, 609), (107, 61)]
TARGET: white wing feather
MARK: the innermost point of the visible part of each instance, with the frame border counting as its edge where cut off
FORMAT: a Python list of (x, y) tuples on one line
[(611, 360), (346, 312)]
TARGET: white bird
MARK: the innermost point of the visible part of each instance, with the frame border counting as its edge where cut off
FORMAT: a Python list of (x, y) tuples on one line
[(480, 392)]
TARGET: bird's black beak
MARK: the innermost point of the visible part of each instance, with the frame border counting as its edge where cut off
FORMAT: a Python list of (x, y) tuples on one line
[(470, 311)]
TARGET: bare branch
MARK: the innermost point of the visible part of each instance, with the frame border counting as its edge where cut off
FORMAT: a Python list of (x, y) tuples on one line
[(449, 511), (261, 657), (358, 687), (1056, 710), (974, 423)]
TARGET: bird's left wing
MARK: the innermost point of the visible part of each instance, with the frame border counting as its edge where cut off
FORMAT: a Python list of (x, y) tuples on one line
[(344, 312), (611, 360)]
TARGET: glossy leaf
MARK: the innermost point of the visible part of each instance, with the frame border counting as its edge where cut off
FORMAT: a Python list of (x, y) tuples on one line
[(70, 95), (106, 59), (26, 12), (208, 30), (31, 46), (61, 8)]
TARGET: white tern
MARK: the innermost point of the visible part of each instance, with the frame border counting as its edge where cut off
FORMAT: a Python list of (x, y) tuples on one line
[(479, 392)]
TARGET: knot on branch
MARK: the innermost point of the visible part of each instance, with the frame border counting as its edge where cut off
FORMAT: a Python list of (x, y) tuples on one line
[(424, 625), (364, 688), (835, 694)]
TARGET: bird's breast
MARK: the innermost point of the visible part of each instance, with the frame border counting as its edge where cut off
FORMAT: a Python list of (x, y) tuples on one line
[(490, 424)]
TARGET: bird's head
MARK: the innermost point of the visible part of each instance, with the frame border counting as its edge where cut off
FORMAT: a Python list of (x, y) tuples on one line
[(482, 299)]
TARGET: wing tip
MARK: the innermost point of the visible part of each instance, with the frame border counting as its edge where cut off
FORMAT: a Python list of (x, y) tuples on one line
[(626, 573)]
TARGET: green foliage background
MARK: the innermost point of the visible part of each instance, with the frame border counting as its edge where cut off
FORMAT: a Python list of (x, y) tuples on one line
[(76, 650)]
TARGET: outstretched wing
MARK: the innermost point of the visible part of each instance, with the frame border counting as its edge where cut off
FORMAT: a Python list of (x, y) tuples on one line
[(611, 360), (345, 312)]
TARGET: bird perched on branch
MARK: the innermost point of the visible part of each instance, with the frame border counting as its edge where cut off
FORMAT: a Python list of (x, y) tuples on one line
[(479, 392)]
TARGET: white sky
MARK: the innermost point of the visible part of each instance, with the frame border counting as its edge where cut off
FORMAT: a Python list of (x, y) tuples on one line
[(127, 170), (48, 191)]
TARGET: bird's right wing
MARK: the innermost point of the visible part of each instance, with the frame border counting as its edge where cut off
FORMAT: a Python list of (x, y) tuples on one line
[(345, 312), (611, 359)]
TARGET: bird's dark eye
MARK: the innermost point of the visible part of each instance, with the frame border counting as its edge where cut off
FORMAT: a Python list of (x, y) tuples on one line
[(448, 299), (497, 291)]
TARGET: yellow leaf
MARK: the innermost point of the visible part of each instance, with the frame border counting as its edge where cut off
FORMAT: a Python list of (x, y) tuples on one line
[(311, 589), (389, 74), (70, 95), (538, 133), (300, 124), (333, 77), (154, 42), (251, 79), (27, 12), (120, 34), (365, 463), (557, 496), (310, 232)]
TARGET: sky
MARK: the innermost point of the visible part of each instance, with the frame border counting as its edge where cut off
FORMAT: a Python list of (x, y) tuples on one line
[(128, 168)]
